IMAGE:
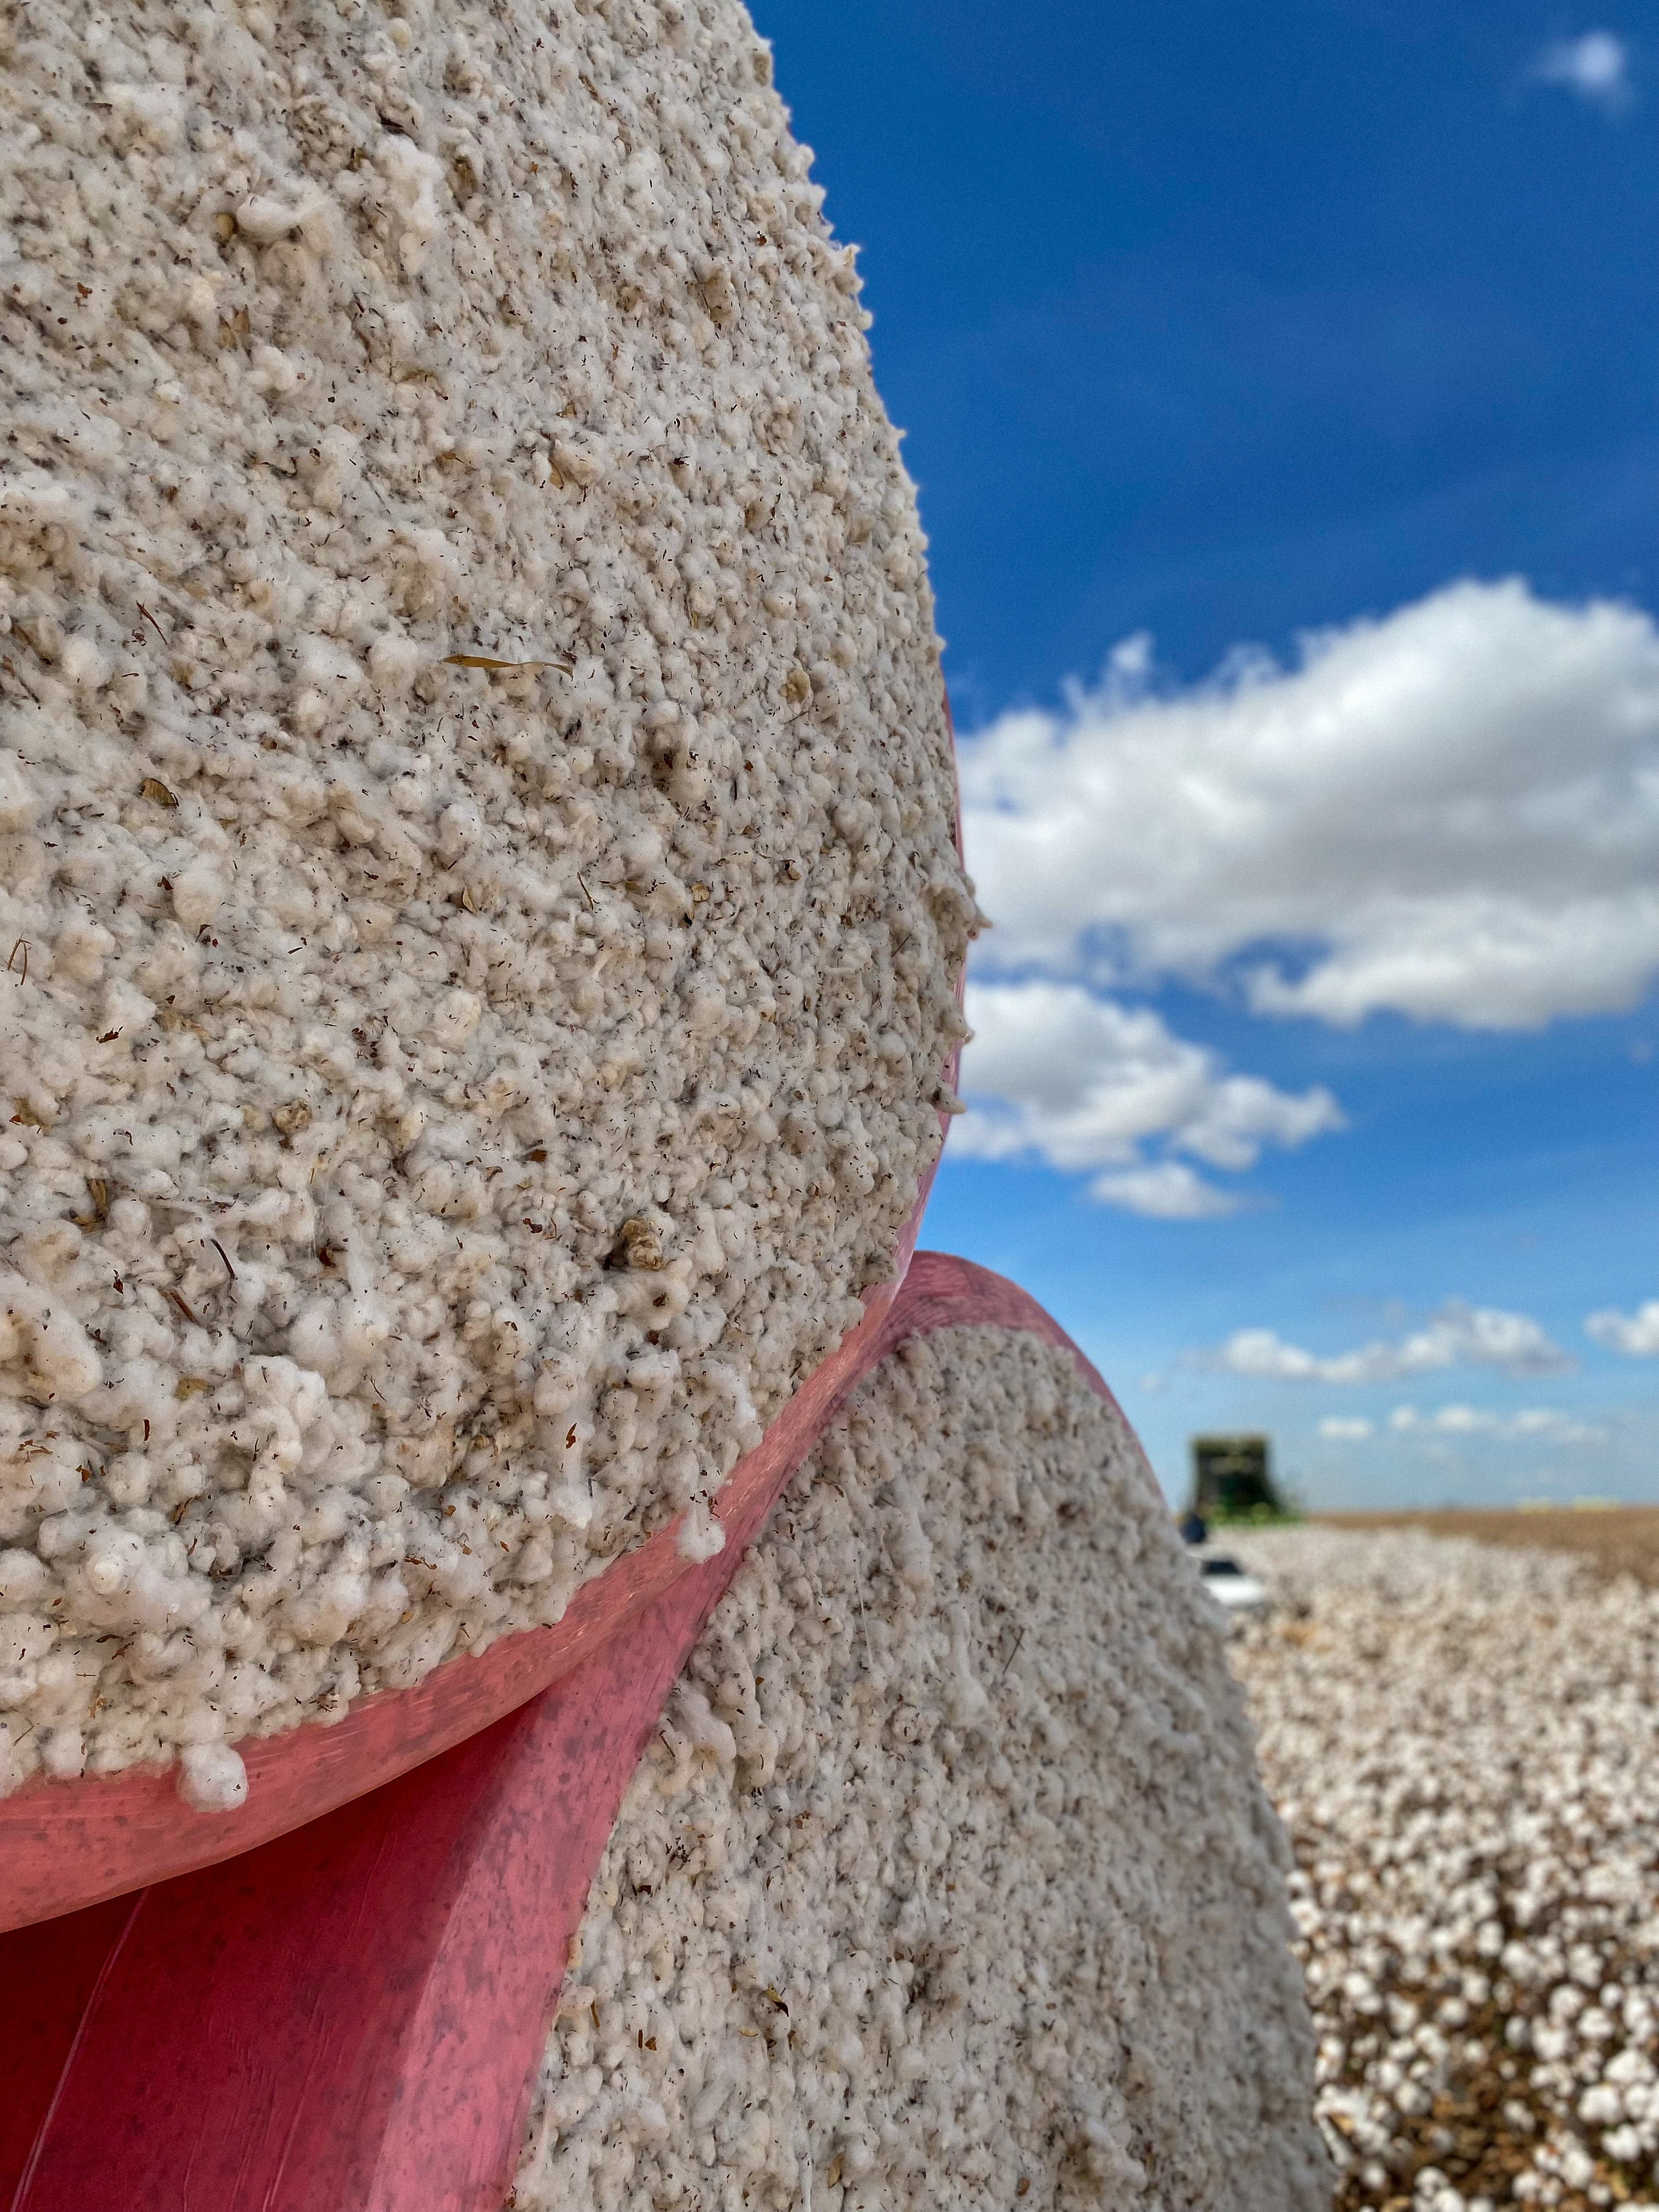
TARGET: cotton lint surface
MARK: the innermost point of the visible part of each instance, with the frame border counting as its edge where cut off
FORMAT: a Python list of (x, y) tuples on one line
[(948, 1881), (475, 836)]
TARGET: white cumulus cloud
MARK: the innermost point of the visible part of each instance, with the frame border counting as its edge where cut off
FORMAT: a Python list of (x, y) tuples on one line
[(1479, 1336), (1165, 1190), (1537, 1425), (1351, 1427), (1451, 812), (1635, 1334), (1595, 66), (1056, 1073)]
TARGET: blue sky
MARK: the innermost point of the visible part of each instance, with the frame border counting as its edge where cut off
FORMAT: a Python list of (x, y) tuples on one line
[(1314, 1083)]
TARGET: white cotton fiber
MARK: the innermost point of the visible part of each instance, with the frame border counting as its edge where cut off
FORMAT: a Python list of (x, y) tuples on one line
[(476, 830), (948, 1882), (211, 1778), (1462, 1738)]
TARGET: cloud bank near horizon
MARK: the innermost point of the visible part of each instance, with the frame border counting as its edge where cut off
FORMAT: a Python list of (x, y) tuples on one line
[(1458, 1335), (1534, 1424)]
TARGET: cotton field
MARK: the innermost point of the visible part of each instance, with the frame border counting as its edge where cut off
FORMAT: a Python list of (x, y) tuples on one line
[(1461, 1742)]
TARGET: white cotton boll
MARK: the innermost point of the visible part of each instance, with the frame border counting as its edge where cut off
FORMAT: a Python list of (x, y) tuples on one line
[(647, 2122), (745, 1422), (212, 1777), (155, 113), (327, 1517), (37, 504), (582, 458), (1577, 2165), (274, 373), (83, 944), (415, 178), (108, 1569), (651, 1376), (314, 1338), (460, 1580), (1108, 2156), (454, 1018), (436, 558), (643, 853), (23, 1579), (394, 661), (202, 1725), (85, 665), (695, 1719), (559, 1391), (363, 1326), (460, 828), (199, 892), (24, 1638), (966, 1701), (38, 1486), (125, 1581), (265, 218), (67, 1681), (64, 1754), (126, 1011), (328, 677), (913, 1555), (534, 1563), (39, 1331), (571, 1506), (47, 1249), (700, 1535), (324, 1614), (275, 1382), (341, 472), (141, 1394)]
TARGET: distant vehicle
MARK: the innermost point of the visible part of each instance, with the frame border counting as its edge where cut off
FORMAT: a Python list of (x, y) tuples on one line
[(1241, 1595), (1233, 1479)]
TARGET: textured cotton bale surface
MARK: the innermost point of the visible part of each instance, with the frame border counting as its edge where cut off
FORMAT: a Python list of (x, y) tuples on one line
[(1464, 1745), (476, 834), (948, 1881)]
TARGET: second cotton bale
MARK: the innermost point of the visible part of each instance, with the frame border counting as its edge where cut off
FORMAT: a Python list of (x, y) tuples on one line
[(949, 1881)]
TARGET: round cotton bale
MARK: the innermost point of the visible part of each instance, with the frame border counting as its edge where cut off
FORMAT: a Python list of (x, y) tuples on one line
[(476, 835), (948, 1878)]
